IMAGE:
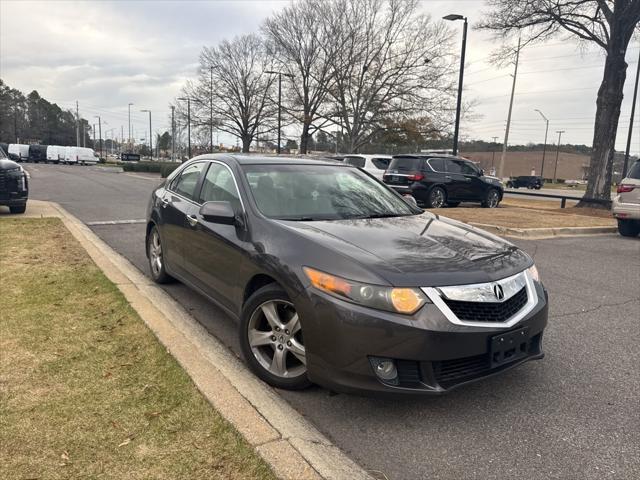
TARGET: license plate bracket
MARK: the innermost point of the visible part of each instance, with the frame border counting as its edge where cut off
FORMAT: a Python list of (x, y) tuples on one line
[(509, 347)]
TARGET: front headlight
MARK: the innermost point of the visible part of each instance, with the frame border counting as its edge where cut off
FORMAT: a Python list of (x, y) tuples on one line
[(533, 271), (391, 299)]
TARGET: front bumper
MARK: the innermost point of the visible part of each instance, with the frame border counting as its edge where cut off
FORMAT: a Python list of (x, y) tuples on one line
[(432, 354)]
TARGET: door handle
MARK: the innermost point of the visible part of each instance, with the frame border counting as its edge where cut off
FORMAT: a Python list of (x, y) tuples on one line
[(193, 221), (447, 176), (164, 202)]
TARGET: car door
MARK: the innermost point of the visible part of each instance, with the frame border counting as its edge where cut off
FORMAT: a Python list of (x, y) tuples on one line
[(456, 181), (474, 187), (176, 203), (214, 252)]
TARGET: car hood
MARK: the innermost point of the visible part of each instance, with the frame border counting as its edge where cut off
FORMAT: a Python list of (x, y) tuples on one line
[(419, 250)]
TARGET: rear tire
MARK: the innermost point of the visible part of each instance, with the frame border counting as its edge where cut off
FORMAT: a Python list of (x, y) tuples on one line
[(18, 208), (491, 199), (629, 228), (437, 198), (271, 339), (155, 254)]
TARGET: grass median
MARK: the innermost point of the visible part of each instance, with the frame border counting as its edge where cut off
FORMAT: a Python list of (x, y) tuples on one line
[(86, 390)]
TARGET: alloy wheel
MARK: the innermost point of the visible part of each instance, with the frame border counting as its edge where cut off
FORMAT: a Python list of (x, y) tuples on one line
[(275, 337), (155, 253), (492, 199), (437, 198)]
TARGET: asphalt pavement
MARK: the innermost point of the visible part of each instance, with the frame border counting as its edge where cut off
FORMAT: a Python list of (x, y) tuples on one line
[(573, 415)]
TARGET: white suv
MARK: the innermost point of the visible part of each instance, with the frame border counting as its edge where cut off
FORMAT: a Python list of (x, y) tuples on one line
[(376, 165), (626, 205)]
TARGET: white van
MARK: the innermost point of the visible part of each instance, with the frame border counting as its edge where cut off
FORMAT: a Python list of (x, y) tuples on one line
[(55, 154), (70, 155), (376, 165), (18, 152), (86, 156)]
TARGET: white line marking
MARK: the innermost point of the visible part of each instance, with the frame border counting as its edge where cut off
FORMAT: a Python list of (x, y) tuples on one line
[(116, 222)]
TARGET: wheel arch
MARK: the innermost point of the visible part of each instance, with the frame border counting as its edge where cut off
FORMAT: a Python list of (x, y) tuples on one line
[(255, 283)]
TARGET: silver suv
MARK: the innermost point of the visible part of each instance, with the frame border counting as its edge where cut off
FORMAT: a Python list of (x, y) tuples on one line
[(626, 204)]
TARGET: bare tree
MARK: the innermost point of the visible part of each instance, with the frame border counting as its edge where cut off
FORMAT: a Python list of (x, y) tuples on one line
[(301, 45), (607, 23), (233, 83), (390, 63)]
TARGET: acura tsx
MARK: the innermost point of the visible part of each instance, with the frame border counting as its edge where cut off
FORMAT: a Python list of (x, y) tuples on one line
[(337, 280)]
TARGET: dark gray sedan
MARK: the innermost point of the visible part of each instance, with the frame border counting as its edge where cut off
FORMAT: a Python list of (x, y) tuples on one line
[(337, 280)]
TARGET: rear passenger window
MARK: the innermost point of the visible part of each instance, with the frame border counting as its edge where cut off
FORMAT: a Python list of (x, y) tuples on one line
[(381, 163), (437, 164), (185, 184)]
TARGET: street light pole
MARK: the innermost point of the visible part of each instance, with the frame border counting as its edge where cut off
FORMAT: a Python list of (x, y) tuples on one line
[(211, 107), (280, 74), (493, 156), (555, 170), (633, 112), (150, 135), (544, 148), (130, 122), (453, 18)]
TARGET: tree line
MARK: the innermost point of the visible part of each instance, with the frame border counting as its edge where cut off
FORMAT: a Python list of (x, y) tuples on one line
[(32, 119), (357, 70)]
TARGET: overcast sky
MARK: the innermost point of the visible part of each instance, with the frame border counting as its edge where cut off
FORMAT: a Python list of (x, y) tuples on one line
[(106, 54)]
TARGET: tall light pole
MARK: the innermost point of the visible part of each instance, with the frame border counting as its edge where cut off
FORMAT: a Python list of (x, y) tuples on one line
[(188, 122), (211, 106), (452, 18), (130, 122), (100, 132), (544, 148), (633, 112), (280, 74), (555, 170), (150, 134)]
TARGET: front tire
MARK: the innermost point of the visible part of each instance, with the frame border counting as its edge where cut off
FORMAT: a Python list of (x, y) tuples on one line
[(491, 199), (437, 198), (271, 339), (155, 255), (629, 228)]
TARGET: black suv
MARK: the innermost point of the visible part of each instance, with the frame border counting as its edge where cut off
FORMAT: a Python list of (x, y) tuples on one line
[(437, 181), (14, 186), (528, 181)]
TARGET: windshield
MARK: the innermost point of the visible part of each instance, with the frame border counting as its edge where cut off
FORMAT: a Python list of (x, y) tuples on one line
[(321, 192)]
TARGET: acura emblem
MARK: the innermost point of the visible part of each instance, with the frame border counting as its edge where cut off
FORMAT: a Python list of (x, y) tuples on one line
[(498, 291)]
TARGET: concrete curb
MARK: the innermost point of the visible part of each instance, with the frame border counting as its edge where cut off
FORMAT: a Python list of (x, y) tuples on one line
[(293, 447), (543, 233)]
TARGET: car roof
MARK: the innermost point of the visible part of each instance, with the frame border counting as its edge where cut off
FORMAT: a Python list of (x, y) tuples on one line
[(430, 155), (368, 155), (267, 160)]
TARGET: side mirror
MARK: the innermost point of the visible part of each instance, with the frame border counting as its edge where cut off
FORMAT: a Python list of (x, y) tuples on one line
[(218, 212), (410, 200), (481, 172)]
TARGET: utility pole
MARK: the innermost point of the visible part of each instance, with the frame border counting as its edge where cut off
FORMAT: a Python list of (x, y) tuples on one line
[(506, 133), (544, 148), (77, 125), (130, 122), (121, 137), (150, 134), (173, 134), (100, 132), (493, 156), (94, 136), (633, 112), (211, 107), (188, 99), (84, 135), (555, 170)]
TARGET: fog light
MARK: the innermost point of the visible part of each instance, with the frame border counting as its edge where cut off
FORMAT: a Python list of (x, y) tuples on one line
[(385, 369)]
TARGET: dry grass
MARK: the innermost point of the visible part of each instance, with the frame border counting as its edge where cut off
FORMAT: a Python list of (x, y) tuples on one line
[(529, 216), (86, 391)]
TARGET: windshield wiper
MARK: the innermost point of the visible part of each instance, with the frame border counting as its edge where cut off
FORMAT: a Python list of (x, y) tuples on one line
[(298, 219)]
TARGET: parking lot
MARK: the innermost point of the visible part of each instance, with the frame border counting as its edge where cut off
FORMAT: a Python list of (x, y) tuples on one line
[(575, 414)]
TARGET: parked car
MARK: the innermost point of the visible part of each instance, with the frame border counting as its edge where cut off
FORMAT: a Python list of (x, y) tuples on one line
[(14, 185), (526, 181), (38, 153), (626, 204), (376, 165), (336, 280), (18, 152), (438, 181)]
